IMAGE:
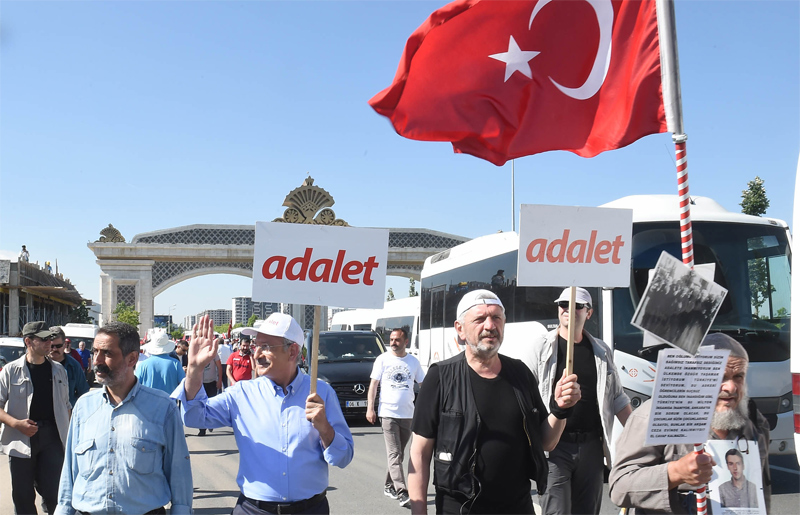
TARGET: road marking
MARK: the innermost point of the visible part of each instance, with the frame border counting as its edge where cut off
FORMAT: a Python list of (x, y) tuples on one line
[(784, 469)]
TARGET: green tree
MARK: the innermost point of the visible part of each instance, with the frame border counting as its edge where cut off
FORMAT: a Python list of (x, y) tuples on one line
[(389, 295), (252, 320), (177, 333), (754, 198), (238, 324), (755, 202), (80, 314), (412, 288), (221, 329), (125, 313)]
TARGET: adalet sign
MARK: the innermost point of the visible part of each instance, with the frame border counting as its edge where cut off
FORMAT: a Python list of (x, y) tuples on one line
[(574, 246), (320, 265)]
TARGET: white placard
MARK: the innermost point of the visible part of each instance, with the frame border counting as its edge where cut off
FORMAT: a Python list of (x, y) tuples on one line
[(320, 265), (574, 246), (685, 395)]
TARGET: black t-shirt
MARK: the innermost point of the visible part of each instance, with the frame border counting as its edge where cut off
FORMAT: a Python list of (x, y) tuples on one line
[(503, 459), (42, 402), (585, 416)]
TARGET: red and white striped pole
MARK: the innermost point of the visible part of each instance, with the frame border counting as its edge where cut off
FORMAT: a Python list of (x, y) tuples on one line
[(687, 249), (700, 493), (687, 254)]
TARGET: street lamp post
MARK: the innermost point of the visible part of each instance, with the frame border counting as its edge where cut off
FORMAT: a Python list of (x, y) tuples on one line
[(169, 319)]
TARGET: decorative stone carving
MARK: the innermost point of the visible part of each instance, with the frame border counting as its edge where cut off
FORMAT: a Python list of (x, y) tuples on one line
[(303, 202), (110, 235)]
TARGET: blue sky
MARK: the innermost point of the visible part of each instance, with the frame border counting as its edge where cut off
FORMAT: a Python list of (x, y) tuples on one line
[(151, 115)]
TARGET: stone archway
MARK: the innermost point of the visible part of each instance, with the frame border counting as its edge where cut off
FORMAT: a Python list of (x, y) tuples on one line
[(136, 271)]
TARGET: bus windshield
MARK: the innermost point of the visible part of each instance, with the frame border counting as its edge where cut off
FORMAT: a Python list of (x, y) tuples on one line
[(751, 261)]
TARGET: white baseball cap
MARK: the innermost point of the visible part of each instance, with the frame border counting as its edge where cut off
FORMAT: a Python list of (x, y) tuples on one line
[(278, 324), (582, 296), (476, 298)]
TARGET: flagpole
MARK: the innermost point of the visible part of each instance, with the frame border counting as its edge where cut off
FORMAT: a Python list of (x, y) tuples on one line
[(513, 202), (673, 108)]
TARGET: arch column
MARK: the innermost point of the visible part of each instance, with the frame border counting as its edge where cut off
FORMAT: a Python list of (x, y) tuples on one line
[(127, 280)]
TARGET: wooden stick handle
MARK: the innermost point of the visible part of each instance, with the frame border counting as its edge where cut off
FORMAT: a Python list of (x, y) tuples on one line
[(570, 337), (315, 350)]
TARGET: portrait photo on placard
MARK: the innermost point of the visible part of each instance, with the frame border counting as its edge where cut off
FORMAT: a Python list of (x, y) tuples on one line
[(678, 305), (736, 484)]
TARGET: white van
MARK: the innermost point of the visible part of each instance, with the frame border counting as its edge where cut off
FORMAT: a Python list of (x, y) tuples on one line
[(80, 332)]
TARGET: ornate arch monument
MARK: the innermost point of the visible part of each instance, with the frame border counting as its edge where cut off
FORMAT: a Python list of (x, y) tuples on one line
[(135, 272)]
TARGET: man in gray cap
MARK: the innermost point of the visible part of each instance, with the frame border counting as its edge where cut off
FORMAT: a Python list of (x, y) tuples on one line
[(662, 478), (34, 411), (480, 417), (575, 482)]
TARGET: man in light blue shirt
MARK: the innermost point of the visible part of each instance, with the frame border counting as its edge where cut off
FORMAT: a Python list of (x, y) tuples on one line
[(160, 370), (286, 436), (126, 452)]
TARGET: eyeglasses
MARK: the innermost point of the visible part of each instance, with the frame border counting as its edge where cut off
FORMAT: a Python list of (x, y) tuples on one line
[(565, 305), (57, 346), (264, 347)]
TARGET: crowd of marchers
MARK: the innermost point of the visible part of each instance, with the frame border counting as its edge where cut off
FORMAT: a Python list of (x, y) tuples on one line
[(485, 423)]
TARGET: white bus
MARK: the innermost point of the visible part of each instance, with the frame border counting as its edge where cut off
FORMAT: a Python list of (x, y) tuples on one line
[(400, 313), (795, 366), (751, 260), (362, 319)]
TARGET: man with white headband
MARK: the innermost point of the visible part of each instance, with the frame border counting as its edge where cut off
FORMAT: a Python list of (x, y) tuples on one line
[(480, 417)]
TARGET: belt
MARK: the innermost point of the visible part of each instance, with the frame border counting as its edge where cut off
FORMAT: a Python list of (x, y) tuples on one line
[(157, 511), (580, 437), (290, 507), (45, 423)]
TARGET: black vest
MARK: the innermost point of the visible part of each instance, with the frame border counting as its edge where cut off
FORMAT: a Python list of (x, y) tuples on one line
[(455, 451)]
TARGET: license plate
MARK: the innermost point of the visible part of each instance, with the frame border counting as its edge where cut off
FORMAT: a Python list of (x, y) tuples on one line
[(355, 404)]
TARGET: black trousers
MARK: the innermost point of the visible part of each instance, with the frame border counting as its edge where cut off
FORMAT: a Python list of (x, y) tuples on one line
[(42, 471)]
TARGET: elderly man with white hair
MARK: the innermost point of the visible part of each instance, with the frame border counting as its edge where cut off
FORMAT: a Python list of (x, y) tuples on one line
[(662, 478), (480, 417)]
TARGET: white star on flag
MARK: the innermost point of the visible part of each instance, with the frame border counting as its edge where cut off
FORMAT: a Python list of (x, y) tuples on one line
[(516, 60)]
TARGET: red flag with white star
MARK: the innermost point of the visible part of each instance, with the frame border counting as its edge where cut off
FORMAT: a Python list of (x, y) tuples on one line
[(506, 79)]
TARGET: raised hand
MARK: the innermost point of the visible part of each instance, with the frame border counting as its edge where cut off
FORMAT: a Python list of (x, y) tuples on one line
[(202, 351), (202, 347)]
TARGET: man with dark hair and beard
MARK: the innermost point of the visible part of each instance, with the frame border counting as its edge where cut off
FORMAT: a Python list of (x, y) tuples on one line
[(126, 451), (641, 472)]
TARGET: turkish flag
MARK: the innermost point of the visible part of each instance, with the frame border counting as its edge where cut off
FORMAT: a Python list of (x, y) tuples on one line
[(506, 79), (230, 326)]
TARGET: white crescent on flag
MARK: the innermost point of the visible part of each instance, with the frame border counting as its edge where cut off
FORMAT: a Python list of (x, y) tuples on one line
[(605, 19)]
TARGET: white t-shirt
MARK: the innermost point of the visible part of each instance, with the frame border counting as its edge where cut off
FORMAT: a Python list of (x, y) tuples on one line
[(397, 376), (224, 352)]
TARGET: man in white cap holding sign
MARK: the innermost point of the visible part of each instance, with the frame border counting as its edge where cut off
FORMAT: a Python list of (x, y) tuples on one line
[(575, 482), (480, 417), (286, 437)]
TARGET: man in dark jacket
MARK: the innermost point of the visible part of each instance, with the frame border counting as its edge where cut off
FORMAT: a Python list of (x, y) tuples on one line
[(480, 417), (75, 373)]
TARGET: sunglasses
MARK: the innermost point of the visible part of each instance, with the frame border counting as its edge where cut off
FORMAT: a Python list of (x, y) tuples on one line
[(57, 346), (565, 305)]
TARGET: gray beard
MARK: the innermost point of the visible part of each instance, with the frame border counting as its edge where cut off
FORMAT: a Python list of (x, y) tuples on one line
[(732, 419), (482, 351)]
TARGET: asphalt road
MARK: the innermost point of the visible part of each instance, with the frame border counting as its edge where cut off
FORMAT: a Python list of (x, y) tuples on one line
[(358, 489)]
